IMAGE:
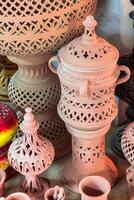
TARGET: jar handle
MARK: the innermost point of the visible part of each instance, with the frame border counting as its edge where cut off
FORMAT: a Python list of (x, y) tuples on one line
[(128, 73), (84, 88), (53, 63)]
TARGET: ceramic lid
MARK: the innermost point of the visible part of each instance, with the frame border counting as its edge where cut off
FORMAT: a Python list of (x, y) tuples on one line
[(89, 51)]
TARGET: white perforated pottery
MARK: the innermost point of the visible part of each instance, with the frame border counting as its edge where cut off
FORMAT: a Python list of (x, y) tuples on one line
[(30, 31), (31, 155), (127, 144), (88, 72)]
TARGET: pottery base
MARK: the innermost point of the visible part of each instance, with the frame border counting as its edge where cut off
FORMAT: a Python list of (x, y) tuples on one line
[(71, 177), (39, 195)]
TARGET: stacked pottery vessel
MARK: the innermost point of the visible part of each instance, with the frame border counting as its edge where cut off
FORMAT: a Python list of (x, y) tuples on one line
[(88, 72), (8, 127)]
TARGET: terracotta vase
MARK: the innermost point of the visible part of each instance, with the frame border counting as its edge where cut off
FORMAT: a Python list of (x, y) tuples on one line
[(31, 155), (88, 72), (94, 188), (30, 32)]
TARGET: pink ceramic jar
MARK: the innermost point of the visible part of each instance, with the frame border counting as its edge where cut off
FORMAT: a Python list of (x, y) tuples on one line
[(88, 72), (94, 188), (18, 196)]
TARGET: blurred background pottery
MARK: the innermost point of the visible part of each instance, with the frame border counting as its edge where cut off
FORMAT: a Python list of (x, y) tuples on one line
[(127, 144), (18, 196), (125, 91), (7, 70)]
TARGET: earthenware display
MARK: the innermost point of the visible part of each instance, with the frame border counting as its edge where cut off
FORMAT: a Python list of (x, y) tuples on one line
[(30, 32)]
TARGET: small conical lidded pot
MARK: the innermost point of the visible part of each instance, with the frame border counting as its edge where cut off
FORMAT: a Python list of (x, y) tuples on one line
[(88, 71), (30, 155)]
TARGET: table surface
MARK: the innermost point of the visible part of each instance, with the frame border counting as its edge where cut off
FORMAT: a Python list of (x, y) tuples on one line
[(118, 192)]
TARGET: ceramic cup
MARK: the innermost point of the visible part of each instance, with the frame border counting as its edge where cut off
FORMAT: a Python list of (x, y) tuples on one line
[(2, 181), (56, 193), (18, 196), (94, 188)]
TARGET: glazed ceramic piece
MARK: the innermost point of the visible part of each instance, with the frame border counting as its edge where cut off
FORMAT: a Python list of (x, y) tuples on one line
[(8, 69), (57, 193), (8, 128), (31, 155), (16, 196), (2, 181), (127, 143), (94, 188), (88, 72), (30, 31), (8, 124)]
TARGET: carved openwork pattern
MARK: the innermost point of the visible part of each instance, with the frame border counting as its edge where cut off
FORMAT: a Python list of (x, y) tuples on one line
[(42, 100), (130, 175), (88, 154), (28, 160), (41, 26), (54, 129), (127, 143), (22, 150), (92, 54), (99, 108)]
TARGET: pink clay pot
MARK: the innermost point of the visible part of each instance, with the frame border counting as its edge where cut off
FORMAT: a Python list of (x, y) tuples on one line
[(94, 188), (18, 196), (56, 192)]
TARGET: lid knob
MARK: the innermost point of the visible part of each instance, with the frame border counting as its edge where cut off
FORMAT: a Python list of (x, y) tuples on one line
[(89, 35), (29, 123)]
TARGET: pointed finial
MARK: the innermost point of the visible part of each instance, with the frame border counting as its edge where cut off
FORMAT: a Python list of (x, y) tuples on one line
[(29, 124), (90, 23)]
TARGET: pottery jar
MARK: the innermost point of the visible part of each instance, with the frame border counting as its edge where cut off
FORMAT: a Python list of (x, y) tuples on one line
[(94, 187), (18, 196), (88, 72)]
